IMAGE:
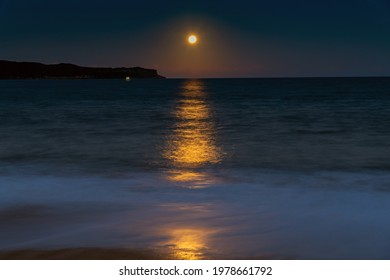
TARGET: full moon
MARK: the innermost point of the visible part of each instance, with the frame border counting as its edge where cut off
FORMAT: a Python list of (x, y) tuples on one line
[(192, 39)]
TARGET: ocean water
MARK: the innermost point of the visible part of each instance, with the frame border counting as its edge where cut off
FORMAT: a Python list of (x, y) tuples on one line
[(199, 169)]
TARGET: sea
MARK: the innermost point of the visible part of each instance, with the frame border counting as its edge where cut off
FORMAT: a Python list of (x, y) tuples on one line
[(271, 168)]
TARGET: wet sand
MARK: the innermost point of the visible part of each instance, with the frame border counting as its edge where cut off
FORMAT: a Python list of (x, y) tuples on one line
[(84, 254), (108, 254)]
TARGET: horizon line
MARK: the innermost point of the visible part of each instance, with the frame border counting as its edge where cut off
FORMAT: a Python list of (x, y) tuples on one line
[(281, 77)]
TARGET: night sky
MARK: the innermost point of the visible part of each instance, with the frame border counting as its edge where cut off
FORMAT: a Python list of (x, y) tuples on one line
[(244, 38)]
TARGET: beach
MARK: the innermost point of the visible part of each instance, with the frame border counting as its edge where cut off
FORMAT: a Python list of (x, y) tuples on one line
[(195, 169)]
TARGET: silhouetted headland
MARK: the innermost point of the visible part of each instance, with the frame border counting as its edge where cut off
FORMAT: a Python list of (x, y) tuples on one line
[(34, 70)]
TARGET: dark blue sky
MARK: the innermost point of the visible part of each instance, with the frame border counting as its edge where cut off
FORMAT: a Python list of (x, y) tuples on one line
[(236, 38)]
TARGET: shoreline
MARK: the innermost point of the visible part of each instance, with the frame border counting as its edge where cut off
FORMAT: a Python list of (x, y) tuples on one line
[(84, 254), (95, 253)]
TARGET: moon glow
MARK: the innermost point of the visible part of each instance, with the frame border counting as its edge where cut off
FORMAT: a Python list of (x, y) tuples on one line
[(192, 39)]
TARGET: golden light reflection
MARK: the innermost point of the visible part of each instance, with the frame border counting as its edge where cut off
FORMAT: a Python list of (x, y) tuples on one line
[(198, 180), (192, 144), (188, 243), (189, 150)]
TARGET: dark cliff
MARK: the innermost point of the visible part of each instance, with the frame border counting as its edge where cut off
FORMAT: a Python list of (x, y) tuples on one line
[(33, 70)]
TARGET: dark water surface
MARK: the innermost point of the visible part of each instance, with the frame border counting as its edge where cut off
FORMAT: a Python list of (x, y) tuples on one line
[(225, 168)]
